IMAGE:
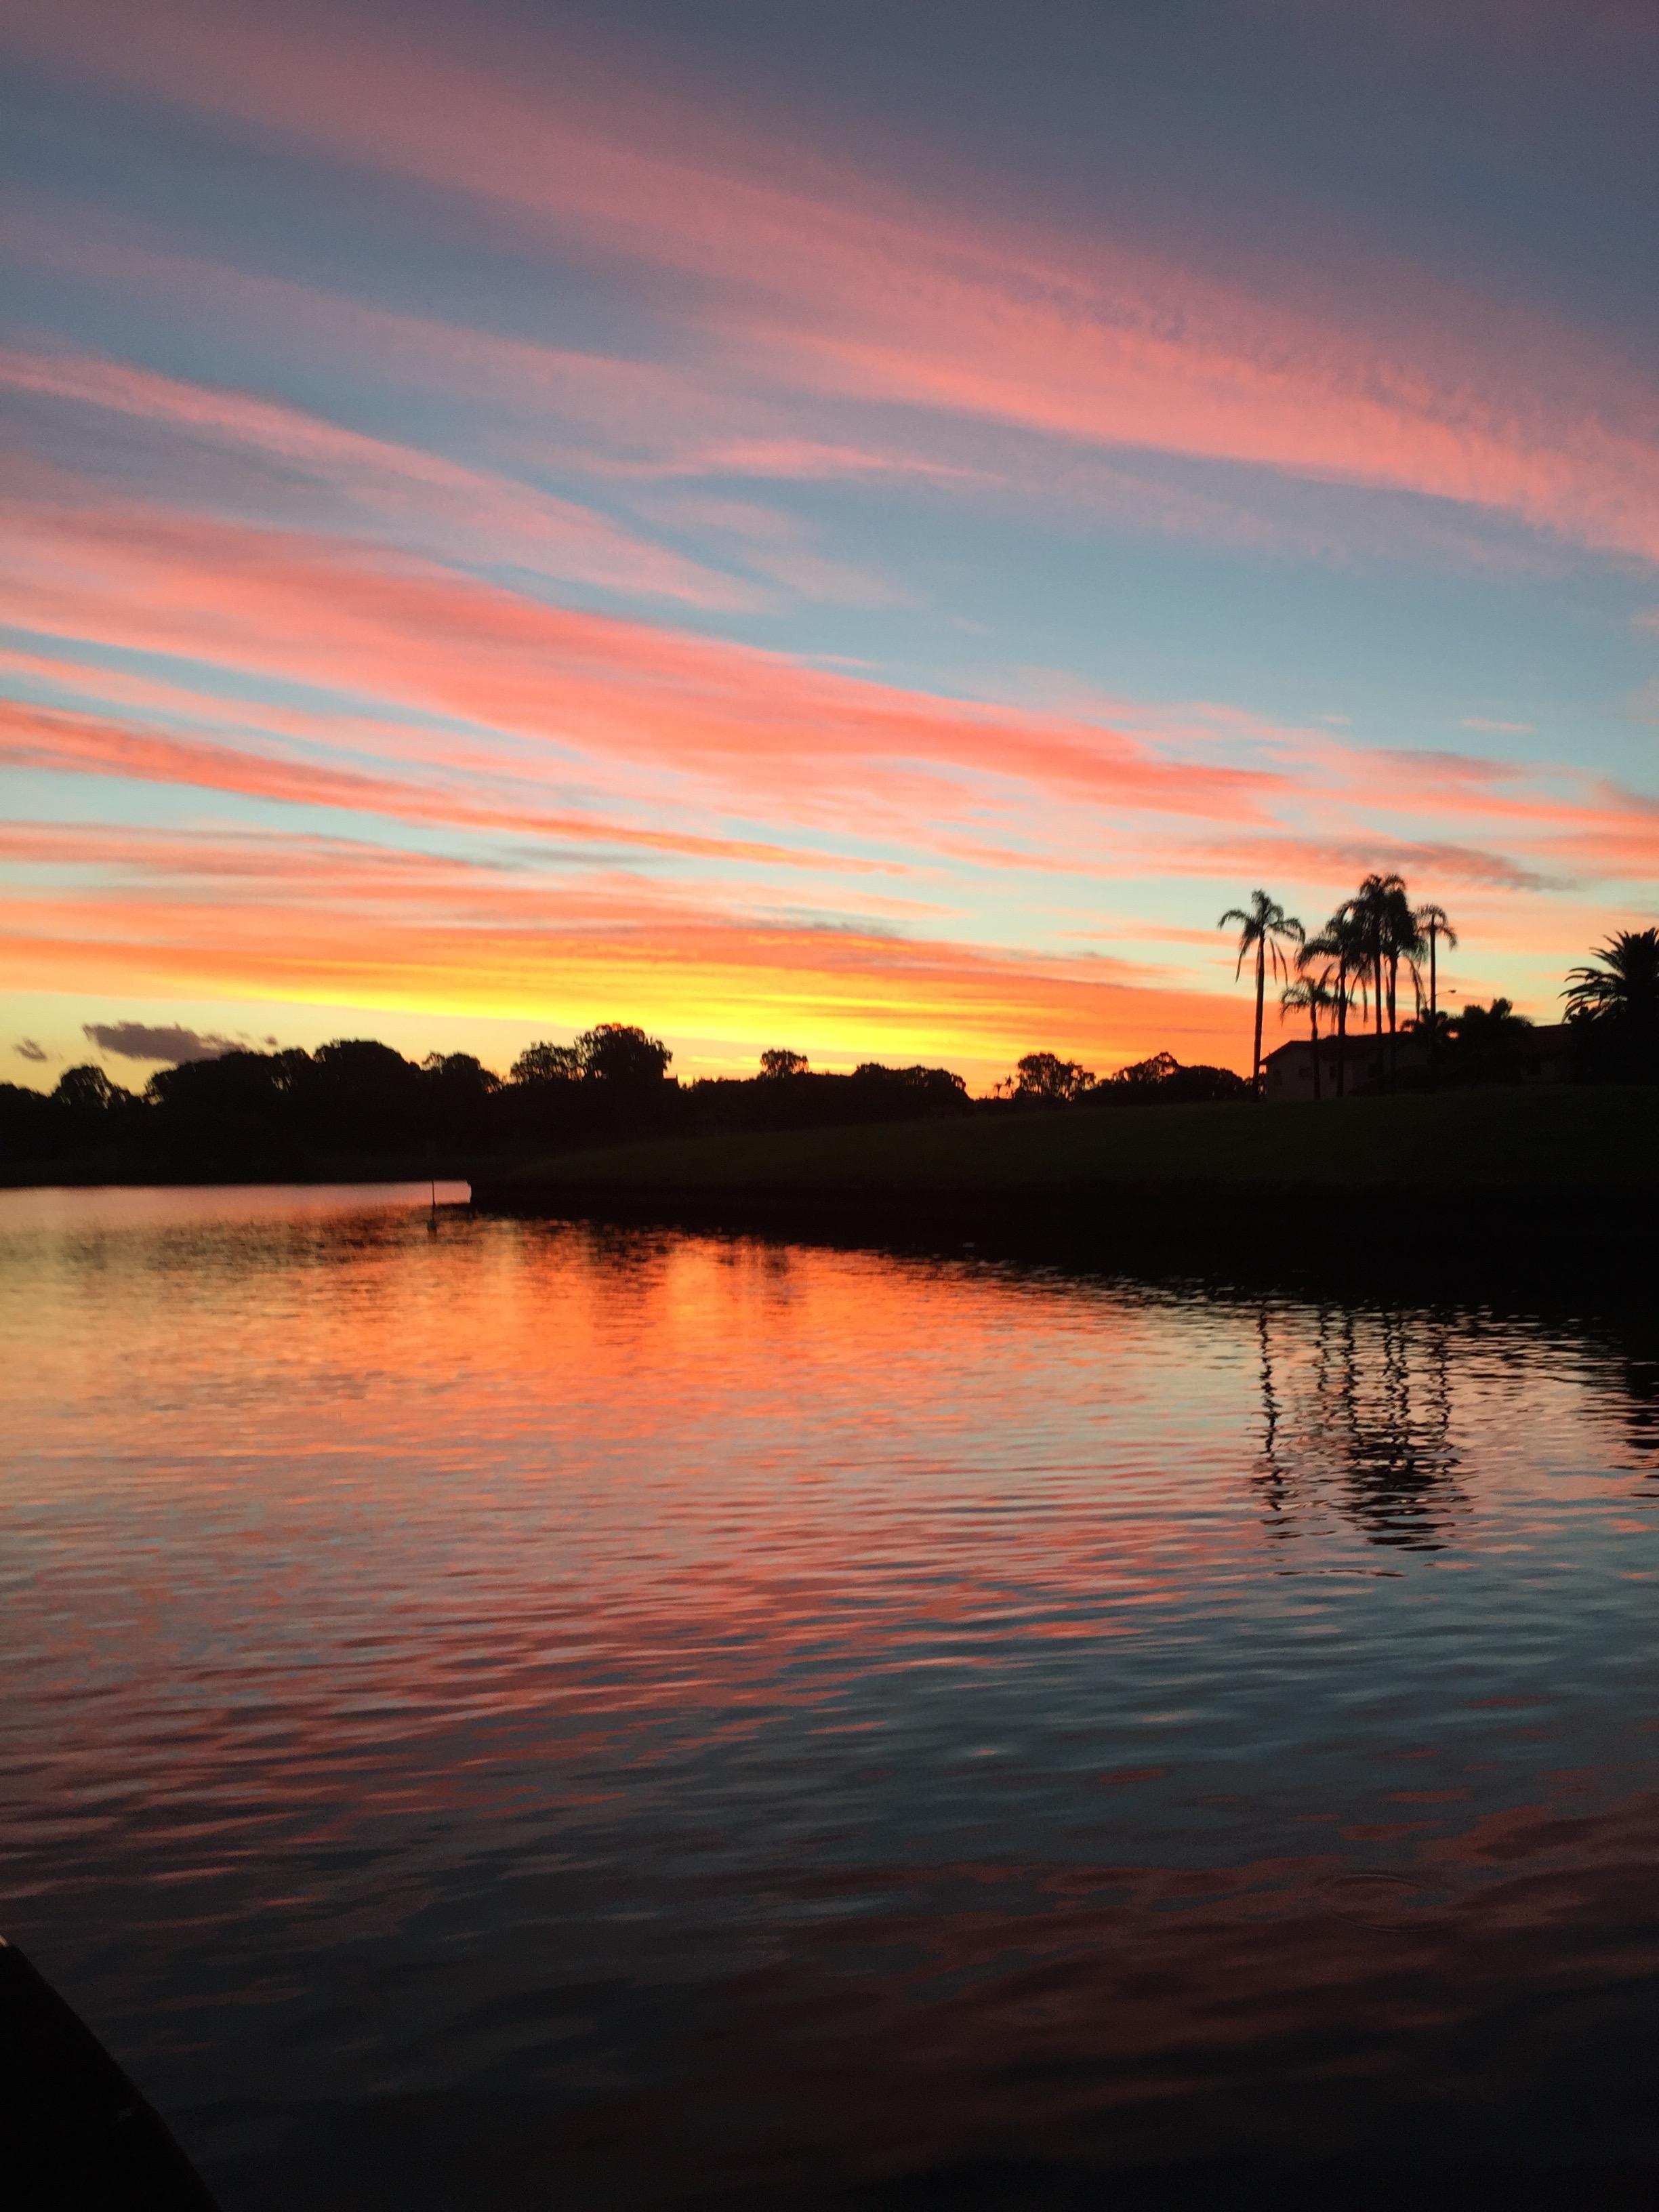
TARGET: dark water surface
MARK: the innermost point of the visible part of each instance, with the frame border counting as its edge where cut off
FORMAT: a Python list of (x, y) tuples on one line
[(520, 1716)]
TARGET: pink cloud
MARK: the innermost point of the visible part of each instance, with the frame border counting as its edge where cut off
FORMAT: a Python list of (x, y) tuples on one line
[(529, 702), (569, 685), (848, 286), (723, 407), (67, 743), (409, 485)]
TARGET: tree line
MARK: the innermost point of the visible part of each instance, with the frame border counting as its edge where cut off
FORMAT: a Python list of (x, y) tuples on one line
[(357, 1104), (1354, 964)]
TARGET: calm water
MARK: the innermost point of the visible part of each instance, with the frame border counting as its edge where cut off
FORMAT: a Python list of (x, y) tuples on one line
[(519, 1715)]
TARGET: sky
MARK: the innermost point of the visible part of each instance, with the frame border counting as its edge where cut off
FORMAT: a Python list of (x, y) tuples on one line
[(854, 528)]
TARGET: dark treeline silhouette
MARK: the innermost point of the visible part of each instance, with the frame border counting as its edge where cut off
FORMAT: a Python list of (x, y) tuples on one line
[(1042, 1079), (787, 1094), (356, 1105)]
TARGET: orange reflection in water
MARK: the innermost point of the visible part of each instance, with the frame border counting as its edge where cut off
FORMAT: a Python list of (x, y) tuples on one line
[(455, 1663)]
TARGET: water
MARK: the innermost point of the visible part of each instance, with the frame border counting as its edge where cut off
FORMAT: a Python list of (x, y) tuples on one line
[(512, 1714)]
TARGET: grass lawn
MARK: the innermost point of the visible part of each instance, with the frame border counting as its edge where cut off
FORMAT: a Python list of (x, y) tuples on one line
[(1560, 1140)]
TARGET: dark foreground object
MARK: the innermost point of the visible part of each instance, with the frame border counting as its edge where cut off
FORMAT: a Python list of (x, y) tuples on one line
[(77, 2134), (1475, 1189)]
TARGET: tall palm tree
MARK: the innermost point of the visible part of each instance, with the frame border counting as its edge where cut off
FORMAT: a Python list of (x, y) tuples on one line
[(1433, 926), (1337, 955), (1381, 916), (1435, 929), (1313, 994), (1405, 946), (1361, 917), (1264, 929)]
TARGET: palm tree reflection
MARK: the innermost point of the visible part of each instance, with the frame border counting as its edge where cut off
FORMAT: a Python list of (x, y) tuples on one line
[(1634, 1362), (1356, 1416)]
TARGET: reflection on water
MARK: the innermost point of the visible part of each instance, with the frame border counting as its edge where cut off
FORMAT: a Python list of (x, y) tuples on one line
[(1357, 1410), (522, 1714)]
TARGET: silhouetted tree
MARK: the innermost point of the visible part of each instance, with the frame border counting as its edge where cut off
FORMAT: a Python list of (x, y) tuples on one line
[(547, 1063), (88, 1112), (1613, 1003), (1381, 919), (614, 1052), (362, 1096), (241, 1113), (617, 1052), (33, 1126), (87, 1090), (906, 1091), (1045, 1076), (1488, 1040), (1434, 929), (1146, 1074), (1345, 930), (458, 1089), (776, 1063), (1163, 1078), (1332, 960), (1310, 994), (1264, 929), (460, 1072)]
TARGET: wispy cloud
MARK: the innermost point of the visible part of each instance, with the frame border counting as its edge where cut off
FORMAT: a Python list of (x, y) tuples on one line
[(842, 282), (347, 618), (425, 494)]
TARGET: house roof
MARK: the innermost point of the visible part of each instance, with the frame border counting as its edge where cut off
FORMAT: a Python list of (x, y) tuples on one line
[(1548, 1036)]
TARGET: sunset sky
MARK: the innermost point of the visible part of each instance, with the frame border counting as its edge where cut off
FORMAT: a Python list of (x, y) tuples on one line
[(856, 527)]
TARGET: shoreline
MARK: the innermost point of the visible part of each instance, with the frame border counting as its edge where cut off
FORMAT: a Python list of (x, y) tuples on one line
[(1470, 1187), (1193, 1231)]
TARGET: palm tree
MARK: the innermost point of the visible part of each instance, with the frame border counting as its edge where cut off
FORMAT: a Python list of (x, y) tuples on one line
[(1314, 994), (1625, 987), (1488, 1043), (1619, 998), (1264, 928), (1338, 955), (1360, 919), (1432, 924), (1381, 916), (1407, 944)]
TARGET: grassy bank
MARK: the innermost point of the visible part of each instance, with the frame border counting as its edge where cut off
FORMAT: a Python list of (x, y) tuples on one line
[(1511, 1170)]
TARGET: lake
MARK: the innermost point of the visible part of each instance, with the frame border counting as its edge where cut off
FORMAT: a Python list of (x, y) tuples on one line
[(504, 1714)]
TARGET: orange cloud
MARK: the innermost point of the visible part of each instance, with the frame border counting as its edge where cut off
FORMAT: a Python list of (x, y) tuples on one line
[(314, 919), (351, 618), (68, 742)]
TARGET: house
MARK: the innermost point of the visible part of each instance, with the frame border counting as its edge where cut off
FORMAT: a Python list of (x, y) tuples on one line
[(1535, 1055), (1287, 1074)]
